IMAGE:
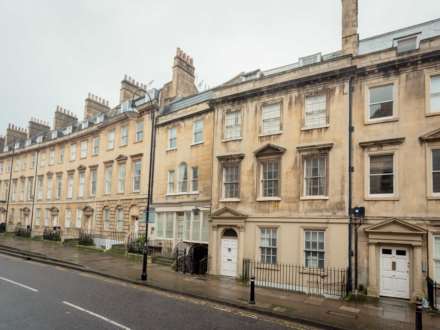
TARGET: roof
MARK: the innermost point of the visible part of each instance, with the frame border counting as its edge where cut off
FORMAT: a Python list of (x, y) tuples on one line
[(187, 102)]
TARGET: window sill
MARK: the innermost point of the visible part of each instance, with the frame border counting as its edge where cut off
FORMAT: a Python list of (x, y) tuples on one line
[(312, 128), (182, 193), (123, 146), (270, 134), (232, 139), (268, 199), (138, 141), (381, 198), (312, 198), (433, 197), (229, 200), (381, 120), (432, 113), (171, 149), (196, 143)]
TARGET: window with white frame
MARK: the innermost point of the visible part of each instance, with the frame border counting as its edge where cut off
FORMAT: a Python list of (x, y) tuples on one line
[(121, 177), (270, 177), (124, 136), (232, 125), (52, 156), (73, 151), (172, 138), (42, 159), (81, 183), (381, 174), (106, 217), (187, 226), (435, 94), (49, 187), (195, 179), (59, 186), (315, 174), (93, 181), (46, 217), (314, 249), (79, 215), (120, 219), (67, 218), (108, 179), (271, 118), (436, 171), (22, 188), (315, 113), (160, 225), (171, 180), (139, 131), (169, 225), (1, 167), (70, 186), (95, 150), (61, 159), (437, 258), (40, 187), (198, 131), (111, 139), (14, 190), (381, 101), (231, 180), (83, 147), (268, 245), (196, 222), (183, 177), (37, 216), (137, 168), (30, 188)]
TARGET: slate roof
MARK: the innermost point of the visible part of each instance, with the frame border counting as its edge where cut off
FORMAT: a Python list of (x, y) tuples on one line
[(187, 102)]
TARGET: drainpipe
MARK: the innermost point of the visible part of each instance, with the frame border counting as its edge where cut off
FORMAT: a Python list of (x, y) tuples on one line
[(34, 190), (11, 169), (350, 184)]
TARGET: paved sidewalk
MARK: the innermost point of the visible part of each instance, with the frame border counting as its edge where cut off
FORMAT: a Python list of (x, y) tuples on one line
[(384, 314)]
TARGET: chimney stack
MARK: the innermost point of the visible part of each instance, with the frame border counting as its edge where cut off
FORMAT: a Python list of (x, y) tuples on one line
[(131, 89), (15, 134), (182, 83), (63, 118), (350, 36), (95, 105), (37, 127), (2, 143)]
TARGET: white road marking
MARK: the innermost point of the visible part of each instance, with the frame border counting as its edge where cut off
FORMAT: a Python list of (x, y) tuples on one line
[(96, 315), (18, 284)]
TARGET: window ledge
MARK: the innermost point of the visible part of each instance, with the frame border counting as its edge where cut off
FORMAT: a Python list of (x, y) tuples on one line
[(232, 139), (229, 200), (312, 128), (268, 199), (270, 134), (197, 143), (432, 113), (433, 197), (123, 145), (381, 120), (381, 198), (311, 198), (138, 141), (182, 193), (171, 149)]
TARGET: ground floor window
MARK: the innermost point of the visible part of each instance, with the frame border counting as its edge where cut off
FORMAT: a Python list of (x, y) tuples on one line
[(120, 219), (187, 225), (314, 249), (268, 245)]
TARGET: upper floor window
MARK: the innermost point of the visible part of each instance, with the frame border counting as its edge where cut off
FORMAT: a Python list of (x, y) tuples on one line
[(95, 150), (106, 216), (52, 156), (49, 187), (108, 180), (231, 180), (121, 178), (42, 159), (198, 131), (93, 181), (232, 125), (315, 175), (61, 159), (172, 138), (137, 167), (1, 167), (314, 249), (271, 118), (40, 187), (124, 135), (139, 131), (30, 188), (381, 102), (268, 245), (70, 186), (183, 177), (195, 179), (81, 181), (315, 114), (111, 139), (59, 186), (435, 94), (171, 180), (270, 177), (83, 152), (436, 171), (73, 151), (381, 174)]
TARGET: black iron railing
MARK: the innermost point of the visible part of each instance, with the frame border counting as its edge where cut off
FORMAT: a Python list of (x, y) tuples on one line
[(52, 233), (135, 243), (433, 293), (85, 238), (317, 281), (2, 227), (23, 231)]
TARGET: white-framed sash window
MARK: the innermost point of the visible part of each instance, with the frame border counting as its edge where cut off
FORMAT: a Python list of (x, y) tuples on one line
[(271, 119), (232, 128), (314, 249), (268, 245), (315, 113)]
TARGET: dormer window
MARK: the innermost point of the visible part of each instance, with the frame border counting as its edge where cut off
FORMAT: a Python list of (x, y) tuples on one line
[(100, 118), (39, 139), (84, 124), (54, 134), (67, 130), (126, 106), (408, 43), (28, 142)]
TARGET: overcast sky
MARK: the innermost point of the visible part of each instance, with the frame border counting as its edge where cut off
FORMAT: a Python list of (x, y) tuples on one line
[(56, 51)]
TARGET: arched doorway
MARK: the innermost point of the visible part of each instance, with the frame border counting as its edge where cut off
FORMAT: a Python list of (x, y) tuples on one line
[(229, 252)]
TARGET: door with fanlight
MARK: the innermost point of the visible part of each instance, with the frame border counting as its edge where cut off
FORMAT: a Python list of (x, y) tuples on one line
[(394, 272)]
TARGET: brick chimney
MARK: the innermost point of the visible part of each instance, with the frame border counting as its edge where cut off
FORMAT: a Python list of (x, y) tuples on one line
[(37, 127), (350, 36), (95, 105), (2, 143), (182, 83), (15, 134), (63, 118), (131, 89)]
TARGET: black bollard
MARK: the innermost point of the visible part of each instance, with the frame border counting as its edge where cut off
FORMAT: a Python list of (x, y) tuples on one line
[(419, 325), (252, 294)]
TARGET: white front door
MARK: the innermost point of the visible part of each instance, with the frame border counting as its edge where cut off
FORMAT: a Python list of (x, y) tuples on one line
[(229, 249), (394, 273)]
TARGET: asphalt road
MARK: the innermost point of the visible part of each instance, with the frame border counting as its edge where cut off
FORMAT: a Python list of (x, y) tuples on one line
[(39, 296)]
